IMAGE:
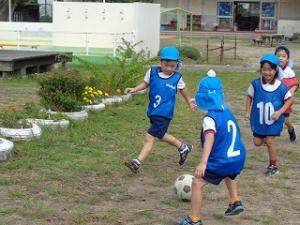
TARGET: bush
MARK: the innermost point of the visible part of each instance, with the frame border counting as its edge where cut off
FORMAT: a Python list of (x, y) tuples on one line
[(190, 52), (128, 67), (61, 90), (13, 117)]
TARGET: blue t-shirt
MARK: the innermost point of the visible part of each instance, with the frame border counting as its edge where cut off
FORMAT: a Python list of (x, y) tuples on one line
[(228, 153), (264, 104), (162, 94)]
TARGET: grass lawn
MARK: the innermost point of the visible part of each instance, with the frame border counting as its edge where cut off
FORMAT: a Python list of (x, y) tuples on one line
[(76, 176)]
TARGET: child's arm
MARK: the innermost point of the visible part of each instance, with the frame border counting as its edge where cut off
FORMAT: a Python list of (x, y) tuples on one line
[(278, 113), (189, 101), (248, 107), (139, 87), (209, 140)]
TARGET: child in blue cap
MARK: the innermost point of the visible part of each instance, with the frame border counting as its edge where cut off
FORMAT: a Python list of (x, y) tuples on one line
[(266, 102), (287, 76), (164, 81), (224, 152)]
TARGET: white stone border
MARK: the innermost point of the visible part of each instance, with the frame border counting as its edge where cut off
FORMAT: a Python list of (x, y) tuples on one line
[(21, 134), (50, 123), (6, 149), (95, 107), (112, 100)]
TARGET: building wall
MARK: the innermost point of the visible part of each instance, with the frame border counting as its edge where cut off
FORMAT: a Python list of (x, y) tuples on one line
[(78, 24)]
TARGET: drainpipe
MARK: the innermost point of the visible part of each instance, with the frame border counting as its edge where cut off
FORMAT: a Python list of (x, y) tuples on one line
[(9, 10)]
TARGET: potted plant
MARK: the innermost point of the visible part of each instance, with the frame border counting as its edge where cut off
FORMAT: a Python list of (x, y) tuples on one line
[(61, 91), (92, 98), (6, 149), (44, 117), (13, 125)]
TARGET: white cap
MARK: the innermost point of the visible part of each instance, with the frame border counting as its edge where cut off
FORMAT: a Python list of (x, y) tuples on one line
[(211, 73)]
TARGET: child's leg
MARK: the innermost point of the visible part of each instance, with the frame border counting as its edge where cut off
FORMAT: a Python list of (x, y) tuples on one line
[(232, 189), (235, 206), (170, 139), (197, 199), (184, 149), (135, 164), (272, 168), (258, 141), (270, 141), (290, 128), (147, 148)]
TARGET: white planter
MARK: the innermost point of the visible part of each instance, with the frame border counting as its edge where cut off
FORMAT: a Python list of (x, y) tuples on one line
[(21, 134), (50, 123), (141, 92), (81, 115), (126, 97), (96, 107), (6, 149), (112, 100)]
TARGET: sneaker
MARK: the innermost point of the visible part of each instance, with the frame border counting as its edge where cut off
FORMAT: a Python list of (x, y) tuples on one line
[(271, 170), (293, 135), (187, 221), (133, 165), (234, 209), (184, 153)]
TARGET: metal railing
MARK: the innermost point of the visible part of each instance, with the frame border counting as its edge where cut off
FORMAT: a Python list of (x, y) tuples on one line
[(83, 41)]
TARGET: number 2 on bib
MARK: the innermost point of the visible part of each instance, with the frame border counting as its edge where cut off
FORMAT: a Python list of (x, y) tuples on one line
[(231, 128)]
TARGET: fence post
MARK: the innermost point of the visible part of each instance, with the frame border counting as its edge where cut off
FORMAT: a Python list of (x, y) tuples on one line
[(207, 50), (222, 50), (235, 47), (86, 44), (18, 39)]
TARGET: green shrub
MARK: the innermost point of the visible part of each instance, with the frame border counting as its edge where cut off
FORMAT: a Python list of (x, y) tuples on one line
[(128, 67), (190, 52), (13, 117), (61, 90)]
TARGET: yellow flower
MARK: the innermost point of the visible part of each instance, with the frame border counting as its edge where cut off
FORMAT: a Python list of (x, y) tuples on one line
[(106, 94), (92, 95), (91, 102), (85, 93), (100, 92), (118, 90)]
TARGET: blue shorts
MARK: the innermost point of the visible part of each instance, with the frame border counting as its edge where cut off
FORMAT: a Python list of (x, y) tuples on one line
[(216, 179), (159, 126)]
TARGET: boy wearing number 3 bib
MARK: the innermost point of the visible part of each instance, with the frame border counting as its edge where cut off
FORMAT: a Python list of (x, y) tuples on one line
[(266, 102), (163, 82), (223, 154)]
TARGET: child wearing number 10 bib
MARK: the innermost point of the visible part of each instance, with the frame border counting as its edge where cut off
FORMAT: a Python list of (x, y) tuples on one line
[(266, 102), (163, 82)]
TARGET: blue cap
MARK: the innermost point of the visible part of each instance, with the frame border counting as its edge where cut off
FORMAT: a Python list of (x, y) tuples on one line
[(270, 57), (210, 93), (169, 53)]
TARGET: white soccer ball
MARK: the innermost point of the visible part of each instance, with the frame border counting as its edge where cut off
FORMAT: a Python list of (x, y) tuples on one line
[(183, 187)]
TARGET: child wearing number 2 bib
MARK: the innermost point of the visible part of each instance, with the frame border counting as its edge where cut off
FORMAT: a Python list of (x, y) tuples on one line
[(163, 82), (266, 102), (224, 152)]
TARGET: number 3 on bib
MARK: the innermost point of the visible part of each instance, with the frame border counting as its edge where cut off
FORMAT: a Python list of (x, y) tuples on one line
[(157, 101), (231, 127)]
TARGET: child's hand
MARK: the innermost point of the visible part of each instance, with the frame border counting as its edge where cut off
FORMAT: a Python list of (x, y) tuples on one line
[(200, 170), (129, 90), (192, 103), (276, 115), (247, 116)]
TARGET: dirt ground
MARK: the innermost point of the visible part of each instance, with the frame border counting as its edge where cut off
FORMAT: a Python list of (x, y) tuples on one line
[(247, 53), (122, 198)]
